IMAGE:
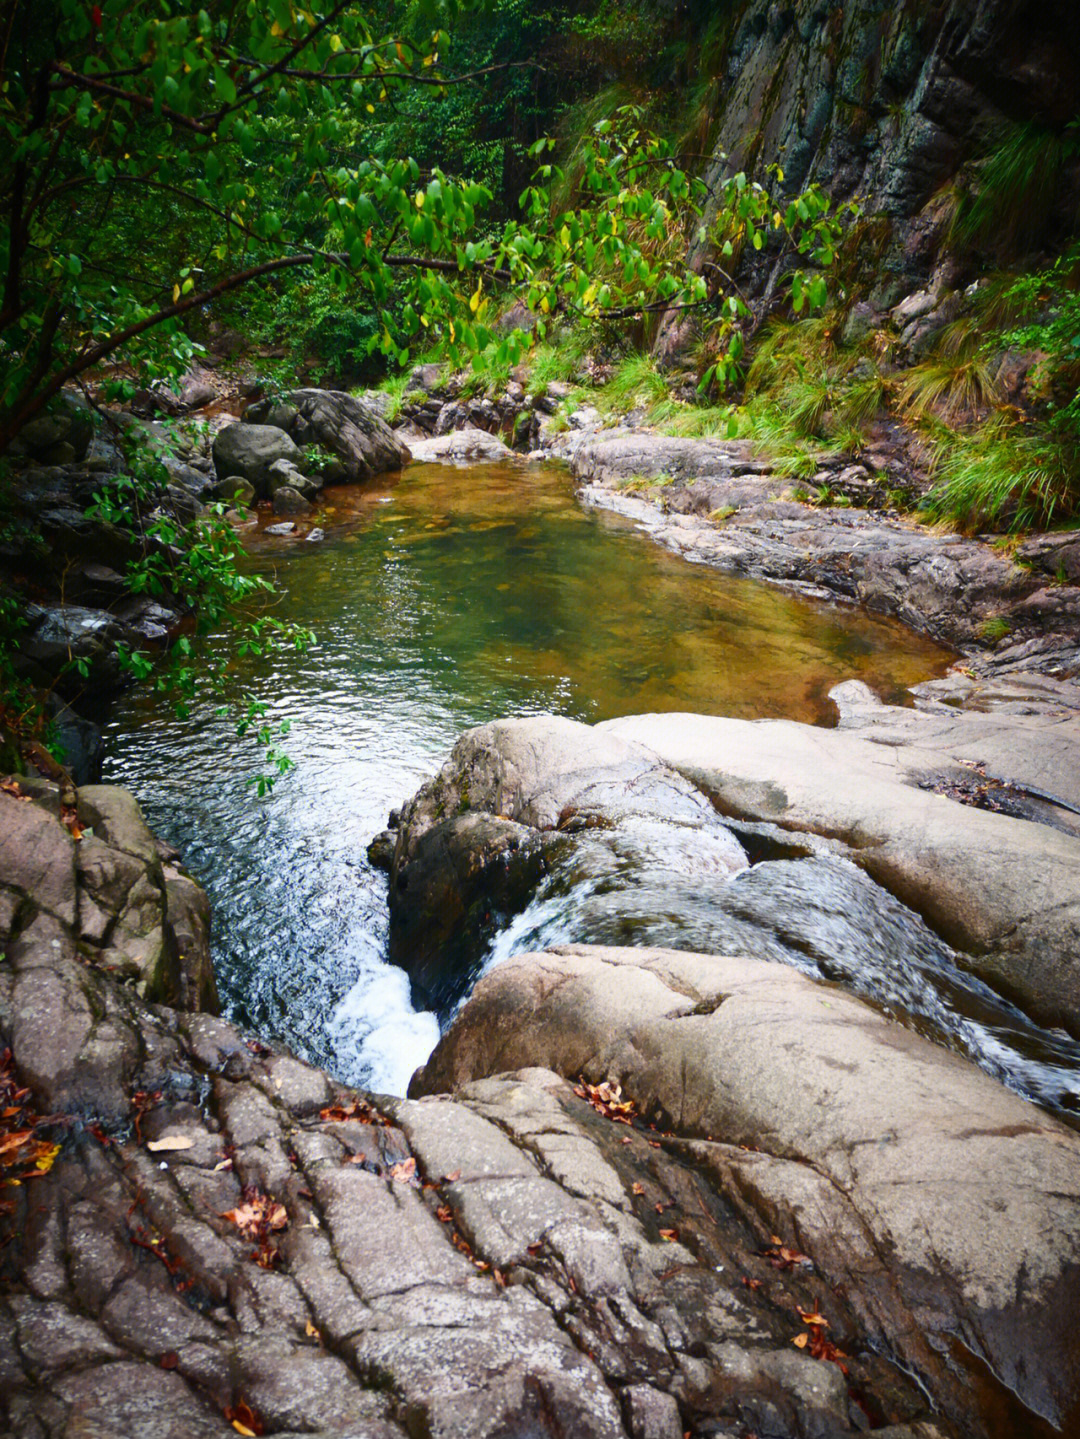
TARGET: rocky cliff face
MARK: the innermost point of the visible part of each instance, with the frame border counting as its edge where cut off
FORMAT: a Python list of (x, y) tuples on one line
[(887, 102)]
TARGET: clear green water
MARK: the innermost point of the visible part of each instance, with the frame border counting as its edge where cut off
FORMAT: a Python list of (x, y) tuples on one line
[(443, 598)]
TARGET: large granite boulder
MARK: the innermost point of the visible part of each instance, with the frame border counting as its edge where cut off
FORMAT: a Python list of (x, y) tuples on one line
[(940, 1204), (94, 869), (970, 819), (348, 428), (515, 798), (250, 450)]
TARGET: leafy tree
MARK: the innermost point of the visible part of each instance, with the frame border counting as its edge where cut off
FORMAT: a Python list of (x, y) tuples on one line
[(156, 158)]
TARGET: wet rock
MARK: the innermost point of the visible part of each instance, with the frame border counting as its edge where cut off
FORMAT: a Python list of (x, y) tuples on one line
[(473, 845), (249, 450), (81, 742), (288, 501), (1001, 888), (286, 527), (686, 1034), (284, 472), (460, 446), (345, 427)]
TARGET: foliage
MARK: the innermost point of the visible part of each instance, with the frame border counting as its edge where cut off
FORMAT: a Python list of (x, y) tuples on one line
[(1007, 472), (1017, 185), (193, 565), (748, 215)]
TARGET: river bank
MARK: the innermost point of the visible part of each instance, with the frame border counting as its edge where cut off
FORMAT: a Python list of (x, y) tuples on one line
[(209, 1232), (227, 1235)]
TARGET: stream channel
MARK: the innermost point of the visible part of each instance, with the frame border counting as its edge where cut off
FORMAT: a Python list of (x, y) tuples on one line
[(446, 597)]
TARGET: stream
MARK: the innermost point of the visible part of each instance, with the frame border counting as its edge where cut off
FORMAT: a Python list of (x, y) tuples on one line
[(446, 597)]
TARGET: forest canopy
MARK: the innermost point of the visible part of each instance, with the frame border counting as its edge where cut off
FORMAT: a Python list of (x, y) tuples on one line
[(158, 157)]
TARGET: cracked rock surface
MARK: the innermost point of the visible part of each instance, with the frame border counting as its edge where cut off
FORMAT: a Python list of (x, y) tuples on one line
[(224, 1240), (942, 1207)]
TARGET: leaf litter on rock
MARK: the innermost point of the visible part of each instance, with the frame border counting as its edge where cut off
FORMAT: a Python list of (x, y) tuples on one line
[(259, 1218), (24, 1154)]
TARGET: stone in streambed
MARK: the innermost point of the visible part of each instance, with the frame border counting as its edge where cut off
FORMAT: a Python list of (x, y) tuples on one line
[(249, 451), (464, 446), (288, 501)]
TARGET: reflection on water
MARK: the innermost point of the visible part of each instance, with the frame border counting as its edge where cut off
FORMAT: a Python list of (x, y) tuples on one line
[(443, 598)]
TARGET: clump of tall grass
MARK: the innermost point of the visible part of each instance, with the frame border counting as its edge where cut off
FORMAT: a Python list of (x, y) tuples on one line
[(1007, 473)]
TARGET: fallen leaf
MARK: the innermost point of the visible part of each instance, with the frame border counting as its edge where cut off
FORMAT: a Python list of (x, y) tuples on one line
[(311, 1331), (444, 1214), (780, 1256), (452, 1178), (169, 1142), (222, 1164), (812, 1316), (801, 1341), (169, 1360), (752, 1283), (404, 1172), (637, 1189), (671, 1235), (244, 1419)]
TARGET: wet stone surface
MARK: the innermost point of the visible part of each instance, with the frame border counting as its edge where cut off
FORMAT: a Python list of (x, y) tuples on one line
[(226, 1241)]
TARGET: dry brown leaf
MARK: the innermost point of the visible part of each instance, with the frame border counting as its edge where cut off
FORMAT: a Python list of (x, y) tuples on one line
[(452, 1178), (404, 1171), (812, 1316), (801, 1341), (170, 1142), (637, 1188), (671, 1235)]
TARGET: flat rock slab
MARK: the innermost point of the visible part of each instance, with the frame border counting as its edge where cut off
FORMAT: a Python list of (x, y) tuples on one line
[(969, 1195), (465, 446), (715, 502), (1005, 890)]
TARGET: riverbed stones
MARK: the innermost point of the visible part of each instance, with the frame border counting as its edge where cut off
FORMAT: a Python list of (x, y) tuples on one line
[(249, 450), (973, 1194), (346, 427), (468, 445)]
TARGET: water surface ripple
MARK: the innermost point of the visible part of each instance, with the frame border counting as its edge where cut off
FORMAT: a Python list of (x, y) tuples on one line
[(443, 598)]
